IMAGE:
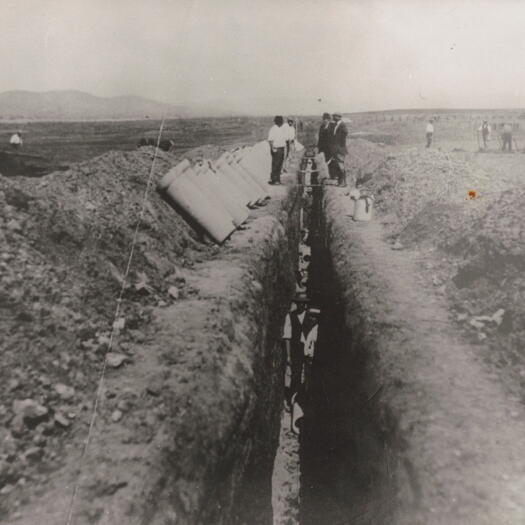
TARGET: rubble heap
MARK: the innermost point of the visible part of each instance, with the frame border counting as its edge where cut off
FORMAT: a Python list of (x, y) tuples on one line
[(66, 239), (467, 225)]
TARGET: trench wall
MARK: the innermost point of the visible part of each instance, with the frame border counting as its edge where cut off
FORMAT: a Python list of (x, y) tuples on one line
[(218, 467), (199, 446), (428, 435)]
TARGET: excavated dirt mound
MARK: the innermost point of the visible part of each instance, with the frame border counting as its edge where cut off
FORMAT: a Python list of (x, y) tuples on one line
[(191, 393), (66, 240), (487, 286), (472, 242), (364, 158), (408, 183)]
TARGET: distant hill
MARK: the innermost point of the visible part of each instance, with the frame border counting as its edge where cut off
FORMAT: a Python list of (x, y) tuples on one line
[(77, 105)]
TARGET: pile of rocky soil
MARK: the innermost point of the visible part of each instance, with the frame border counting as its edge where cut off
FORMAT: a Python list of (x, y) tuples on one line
[(364, 158), (66, 239), (410, 183), (468, 229)]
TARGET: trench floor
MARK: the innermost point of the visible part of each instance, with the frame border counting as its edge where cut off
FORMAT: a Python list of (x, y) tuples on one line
[(332, 479)]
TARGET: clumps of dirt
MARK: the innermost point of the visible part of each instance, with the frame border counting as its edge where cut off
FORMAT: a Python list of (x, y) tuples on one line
[(66, 240), (378, 138), (487, 259), (468, 229), (410, 183), (206, 151), (364, 158)]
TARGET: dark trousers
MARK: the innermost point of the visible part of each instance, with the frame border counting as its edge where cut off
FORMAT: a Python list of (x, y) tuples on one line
[(336, 168), (277, 164), (297, 362), (507, 141), (429, 139)]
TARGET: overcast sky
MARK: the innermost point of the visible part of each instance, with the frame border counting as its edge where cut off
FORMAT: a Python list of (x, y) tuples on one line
[(266, 56)]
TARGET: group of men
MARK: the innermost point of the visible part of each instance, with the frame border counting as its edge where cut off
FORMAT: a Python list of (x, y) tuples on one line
[(484, 130), (332, 144), (282, 139), (506, 135)]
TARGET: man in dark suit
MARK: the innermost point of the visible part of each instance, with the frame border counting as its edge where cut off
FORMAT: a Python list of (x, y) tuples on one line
[(338, 150), (325, 130)]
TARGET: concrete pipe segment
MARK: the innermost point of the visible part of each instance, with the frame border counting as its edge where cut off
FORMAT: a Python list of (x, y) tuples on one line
[(204, 208), (210, 182), (230, 185)]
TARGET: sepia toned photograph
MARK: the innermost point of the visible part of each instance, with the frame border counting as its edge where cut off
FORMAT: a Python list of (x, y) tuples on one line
[(261, 262)]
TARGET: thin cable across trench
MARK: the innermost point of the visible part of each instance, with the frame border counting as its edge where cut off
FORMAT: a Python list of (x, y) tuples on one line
[(71, 508)]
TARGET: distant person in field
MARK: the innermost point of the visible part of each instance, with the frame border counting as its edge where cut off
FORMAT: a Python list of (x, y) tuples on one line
[(429, 132), (277, 139), (485, 133), (338, 150), (506, 137), (323, 140), (16, 140)]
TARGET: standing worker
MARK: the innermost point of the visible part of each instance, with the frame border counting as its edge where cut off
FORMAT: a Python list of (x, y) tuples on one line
[(338, 150), (277, 140), (286, 131), (506, 137), (311, 329), (290, 141), (294, 338), (323, 141), (16, 140), (429, 132), (485, 133)]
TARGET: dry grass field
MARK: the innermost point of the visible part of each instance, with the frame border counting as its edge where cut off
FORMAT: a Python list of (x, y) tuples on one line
[(66, 142)]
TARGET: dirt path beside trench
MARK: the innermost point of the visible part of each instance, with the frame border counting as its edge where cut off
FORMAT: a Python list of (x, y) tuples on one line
[(453, 438)]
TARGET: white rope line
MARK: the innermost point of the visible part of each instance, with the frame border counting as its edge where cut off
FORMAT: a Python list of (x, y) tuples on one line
[(69, 520)]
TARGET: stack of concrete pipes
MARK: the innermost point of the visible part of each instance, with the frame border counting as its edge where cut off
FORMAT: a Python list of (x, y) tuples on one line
[(218, 194)]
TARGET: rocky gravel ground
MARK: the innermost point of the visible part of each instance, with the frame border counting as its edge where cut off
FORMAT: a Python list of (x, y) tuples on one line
[(467, 224), (65, 242)]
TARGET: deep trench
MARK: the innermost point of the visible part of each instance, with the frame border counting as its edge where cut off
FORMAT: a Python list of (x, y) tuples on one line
[(344, 475), (341, 449)]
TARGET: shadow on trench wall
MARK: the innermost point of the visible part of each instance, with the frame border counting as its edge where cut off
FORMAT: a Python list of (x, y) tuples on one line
[(344, 473), (253, 500)]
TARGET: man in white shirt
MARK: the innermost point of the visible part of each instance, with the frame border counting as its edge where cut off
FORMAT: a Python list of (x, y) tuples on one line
[(291, 125), (277, 138), (429, 132), (286, 131), (290, 130), (16, 140), (294, 339)]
